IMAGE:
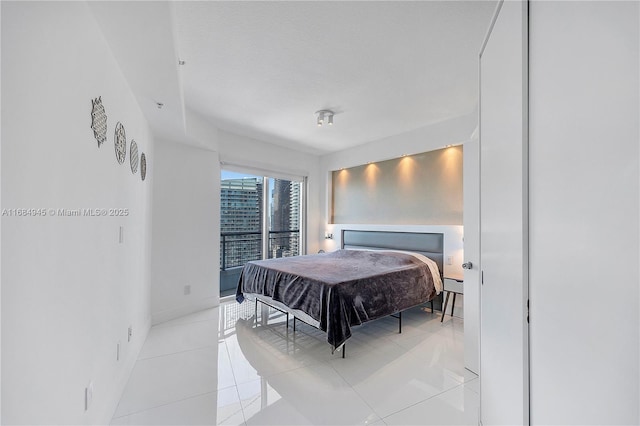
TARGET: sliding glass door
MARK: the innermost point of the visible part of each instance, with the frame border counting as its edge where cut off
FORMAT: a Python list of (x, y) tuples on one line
[(260, 218)]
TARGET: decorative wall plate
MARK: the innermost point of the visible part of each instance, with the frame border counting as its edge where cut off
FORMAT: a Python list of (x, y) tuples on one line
[(133, 156), (120, 143), (143, 166), (98, 120)]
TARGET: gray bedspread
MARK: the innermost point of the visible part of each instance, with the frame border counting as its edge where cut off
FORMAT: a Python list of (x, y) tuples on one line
[(343, 288)]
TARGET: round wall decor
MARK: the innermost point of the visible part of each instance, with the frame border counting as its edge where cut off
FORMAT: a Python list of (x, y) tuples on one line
[(143, 166), (133, 156), (120, 143), (98, 120)]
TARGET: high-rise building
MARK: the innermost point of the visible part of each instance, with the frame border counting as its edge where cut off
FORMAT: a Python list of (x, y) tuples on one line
[(285, 219), (281, 209), (294, 216), (279, 245), (240, 221)]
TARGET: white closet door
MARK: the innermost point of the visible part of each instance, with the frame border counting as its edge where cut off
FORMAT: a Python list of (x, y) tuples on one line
[(504, 397), (471, 220)]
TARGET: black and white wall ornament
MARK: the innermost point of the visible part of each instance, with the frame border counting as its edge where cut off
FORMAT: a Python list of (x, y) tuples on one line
[(120, 142), (143, 166), (133, 156), (98, 120), (99, 126)]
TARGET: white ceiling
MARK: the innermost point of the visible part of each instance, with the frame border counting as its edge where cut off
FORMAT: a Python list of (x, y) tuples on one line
[(261, 69)]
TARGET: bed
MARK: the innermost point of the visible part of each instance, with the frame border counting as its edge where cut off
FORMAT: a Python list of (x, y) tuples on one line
[(375, 274)]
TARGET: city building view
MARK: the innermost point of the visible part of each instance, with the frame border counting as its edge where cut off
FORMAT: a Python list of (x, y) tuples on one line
[(241, 223), (285, 219)]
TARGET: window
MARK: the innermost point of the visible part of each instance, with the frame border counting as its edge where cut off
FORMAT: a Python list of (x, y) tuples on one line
[(260, 218)]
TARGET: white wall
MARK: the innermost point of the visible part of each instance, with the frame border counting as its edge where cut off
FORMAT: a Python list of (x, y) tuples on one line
[(69, 289), (0, 253), (186, 230), (584, 212)]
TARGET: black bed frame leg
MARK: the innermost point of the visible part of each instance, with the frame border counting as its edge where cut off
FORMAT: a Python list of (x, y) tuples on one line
[(432, 311), (444, 308), (453, 304), (256, 312), (294, 324), (400, 322), (344, 350)]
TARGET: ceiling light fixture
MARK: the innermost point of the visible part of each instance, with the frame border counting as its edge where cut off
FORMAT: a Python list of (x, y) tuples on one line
[(324, 114)]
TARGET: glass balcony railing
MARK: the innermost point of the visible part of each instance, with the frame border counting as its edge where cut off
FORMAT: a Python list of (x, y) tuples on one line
[(283, 243), (238, 248)]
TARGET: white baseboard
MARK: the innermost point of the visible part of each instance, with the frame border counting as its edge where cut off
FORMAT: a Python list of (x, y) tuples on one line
[(198, 305)]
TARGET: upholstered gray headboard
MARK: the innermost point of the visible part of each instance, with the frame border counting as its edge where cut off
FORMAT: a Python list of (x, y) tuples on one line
[(428, 244)]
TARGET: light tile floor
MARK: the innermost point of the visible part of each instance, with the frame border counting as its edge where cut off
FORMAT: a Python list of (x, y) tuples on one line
[(222, 366)]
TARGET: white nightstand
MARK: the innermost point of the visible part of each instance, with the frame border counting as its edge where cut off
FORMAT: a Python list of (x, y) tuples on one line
[(451, 285)]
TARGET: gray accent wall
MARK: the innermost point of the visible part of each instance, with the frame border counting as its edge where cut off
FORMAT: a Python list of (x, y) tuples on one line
[(420, 189)]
